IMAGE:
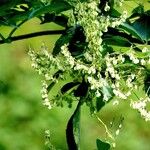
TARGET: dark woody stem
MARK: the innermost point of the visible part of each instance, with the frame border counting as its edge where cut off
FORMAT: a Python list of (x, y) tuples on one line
[(31, 35)]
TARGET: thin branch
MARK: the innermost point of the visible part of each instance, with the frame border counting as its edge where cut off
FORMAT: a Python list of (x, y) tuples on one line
[(31, 35), (54, 32), (16, 27)]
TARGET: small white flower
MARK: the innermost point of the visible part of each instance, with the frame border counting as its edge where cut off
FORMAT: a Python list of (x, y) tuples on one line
[(117, 84), (116, 102), (132, 76), (113, 145), (117, 132), (143, 62), (135, 60), (114, 61), (120, 126), (117, 77), (98, 94), (128, 93), (107, 7), (145, 49)]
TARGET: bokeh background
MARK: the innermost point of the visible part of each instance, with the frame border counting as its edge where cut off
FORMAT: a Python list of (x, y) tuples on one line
[(23, 118)]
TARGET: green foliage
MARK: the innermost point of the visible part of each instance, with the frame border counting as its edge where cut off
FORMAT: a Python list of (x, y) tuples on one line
[(117, 40), (142, 26), (14, 11), (86, 53)]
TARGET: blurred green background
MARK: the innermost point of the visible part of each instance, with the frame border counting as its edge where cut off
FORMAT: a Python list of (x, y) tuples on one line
[(23, 118)]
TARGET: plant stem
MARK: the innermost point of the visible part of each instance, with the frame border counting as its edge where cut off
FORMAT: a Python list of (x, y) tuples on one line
[(31, 35), (70, 130)]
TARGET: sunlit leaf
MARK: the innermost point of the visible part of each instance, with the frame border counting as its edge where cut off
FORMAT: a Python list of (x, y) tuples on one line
[(51, 8)]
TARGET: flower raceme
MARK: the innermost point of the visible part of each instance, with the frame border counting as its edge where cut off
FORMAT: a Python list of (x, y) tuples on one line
[(108, 73)]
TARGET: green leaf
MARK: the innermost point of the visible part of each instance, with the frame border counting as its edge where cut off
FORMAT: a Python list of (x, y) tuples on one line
[(68, 86), (102, 145), (138, 10), (99, 103), (114, 13), (117, 40), (51, 17), (75, 39), (54, 7), (72, 125), (106, 49), (142, 26), (7, 6), (131, 30), (8, 15)]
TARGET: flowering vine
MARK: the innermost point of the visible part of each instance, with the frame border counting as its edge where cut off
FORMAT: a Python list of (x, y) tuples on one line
[(95, 71)]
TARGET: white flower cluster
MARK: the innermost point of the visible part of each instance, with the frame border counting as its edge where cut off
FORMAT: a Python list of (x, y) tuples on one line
[(104, 73), (68, 58), (116, 71), (140, 105), (94, 25), (143, 61), (44, 62), (87, 15), (44, 93)]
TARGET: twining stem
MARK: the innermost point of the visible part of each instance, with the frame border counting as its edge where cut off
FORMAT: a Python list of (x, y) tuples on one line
[(31, 35), (72, 145), (54, 32)]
